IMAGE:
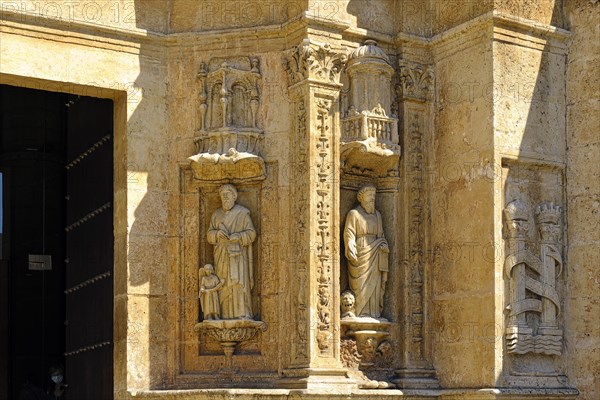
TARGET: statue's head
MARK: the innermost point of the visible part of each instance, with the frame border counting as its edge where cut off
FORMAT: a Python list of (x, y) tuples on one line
[(366, 198), (209, 269), (228, 194), (347, 303)]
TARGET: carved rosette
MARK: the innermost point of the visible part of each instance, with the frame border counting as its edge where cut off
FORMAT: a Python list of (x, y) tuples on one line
[(533, 280)]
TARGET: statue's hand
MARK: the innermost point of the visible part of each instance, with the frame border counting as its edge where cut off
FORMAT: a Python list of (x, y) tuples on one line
[(235, 237), (222, 235), (385, 248)]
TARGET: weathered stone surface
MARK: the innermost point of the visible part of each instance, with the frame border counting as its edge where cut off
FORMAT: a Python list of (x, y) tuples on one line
[(459, 110)]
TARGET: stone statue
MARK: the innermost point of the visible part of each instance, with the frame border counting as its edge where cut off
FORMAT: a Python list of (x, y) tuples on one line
[(367, 253), (232, 233), (209, 295), (348, 302)]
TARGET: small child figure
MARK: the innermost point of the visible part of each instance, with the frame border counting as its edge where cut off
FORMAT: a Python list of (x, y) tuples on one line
[(209, 295)]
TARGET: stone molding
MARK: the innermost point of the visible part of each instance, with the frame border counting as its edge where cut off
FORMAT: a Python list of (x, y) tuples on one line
[(118, 38)]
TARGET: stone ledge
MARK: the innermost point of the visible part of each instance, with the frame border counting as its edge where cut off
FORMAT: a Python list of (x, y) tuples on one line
[(285, 394)]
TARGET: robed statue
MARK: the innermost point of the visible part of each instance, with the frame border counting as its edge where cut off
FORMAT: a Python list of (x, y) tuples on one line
[(367, 252), (232, 233)]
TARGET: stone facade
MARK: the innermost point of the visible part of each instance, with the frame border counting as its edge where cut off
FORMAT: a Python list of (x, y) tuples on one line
[(476, 123)]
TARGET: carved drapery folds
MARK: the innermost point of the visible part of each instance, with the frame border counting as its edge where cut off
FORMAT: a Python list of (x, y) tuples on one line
[(534, 304), (225, 288), (370, 140), (229, 136)]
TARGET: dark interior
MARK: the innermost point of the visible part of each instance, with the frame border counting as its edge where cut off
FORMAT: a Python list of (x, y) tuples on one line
[(41, 132)]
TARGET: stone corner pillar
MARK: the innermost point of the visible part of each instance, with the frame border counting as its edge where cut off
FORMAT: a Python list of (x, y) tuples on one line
[(415, 100), (313, 78)]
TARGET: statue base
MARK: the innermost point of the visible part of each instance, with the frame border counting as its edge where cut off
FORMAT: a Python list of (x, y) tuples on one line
[(369, 334), (230, 333)]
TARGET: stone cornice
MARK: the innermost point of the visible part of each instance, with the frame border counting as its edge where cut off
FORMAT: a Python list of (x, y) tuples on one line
[(521, 28), (77, 29), (505, 28)]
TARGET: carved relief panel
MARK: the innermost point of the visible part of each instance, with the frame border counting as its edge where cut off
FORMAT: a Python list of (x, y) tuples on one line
[(221, 336), (228, 308), (370, 142), (533, 226), (229, 136)]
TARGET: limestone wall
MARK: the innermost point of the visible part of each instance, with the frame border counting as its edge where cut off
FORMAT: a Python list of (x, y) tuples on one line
[(131, 71), (513, 114), (462, 211), (583, 198)]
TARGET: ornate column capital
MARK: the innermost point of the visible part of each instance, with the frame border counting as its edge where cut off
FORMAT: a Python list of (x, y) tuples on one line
[(416, 81), (314, 61)]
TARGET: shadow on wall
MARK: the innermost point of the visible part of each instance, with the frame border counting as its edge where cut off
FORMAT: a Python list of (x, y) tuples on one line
[(533, 187), (148, 142)]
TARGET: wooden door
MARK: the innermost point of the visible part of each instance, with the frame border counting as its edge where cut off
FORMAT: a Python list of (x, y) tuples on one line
[(89, 249)]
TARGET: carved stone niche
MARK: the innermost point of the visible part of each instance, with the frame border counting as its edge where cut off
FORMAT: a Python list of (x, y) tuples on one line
[(367, 275), (370, 142), (229, 136), (225, 322), (533, 272)]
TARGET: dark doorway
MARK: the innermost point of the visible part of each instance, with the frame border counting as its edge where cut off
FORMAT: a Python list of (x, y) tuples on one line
[(56, 271)]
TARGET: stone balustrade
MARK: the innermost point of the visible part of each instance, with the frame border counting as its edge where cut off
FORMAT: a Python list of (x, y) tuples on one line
[(363, 126)]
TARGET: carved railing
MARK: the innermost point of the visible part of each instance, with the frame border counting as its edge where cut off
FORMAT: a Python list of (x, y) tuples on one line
[(244, 140), (367, 125)]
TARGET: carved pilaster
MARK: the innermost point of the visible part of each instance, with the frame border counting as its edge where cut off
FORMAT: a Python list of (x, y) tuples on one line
[(323, 191), (414, 103), (299, 234), (313, 75)]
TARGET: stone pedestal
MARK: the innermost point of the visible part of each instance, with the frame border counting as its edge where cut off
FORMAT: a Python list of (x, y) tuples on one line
[(229, 334), (369, 334)]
